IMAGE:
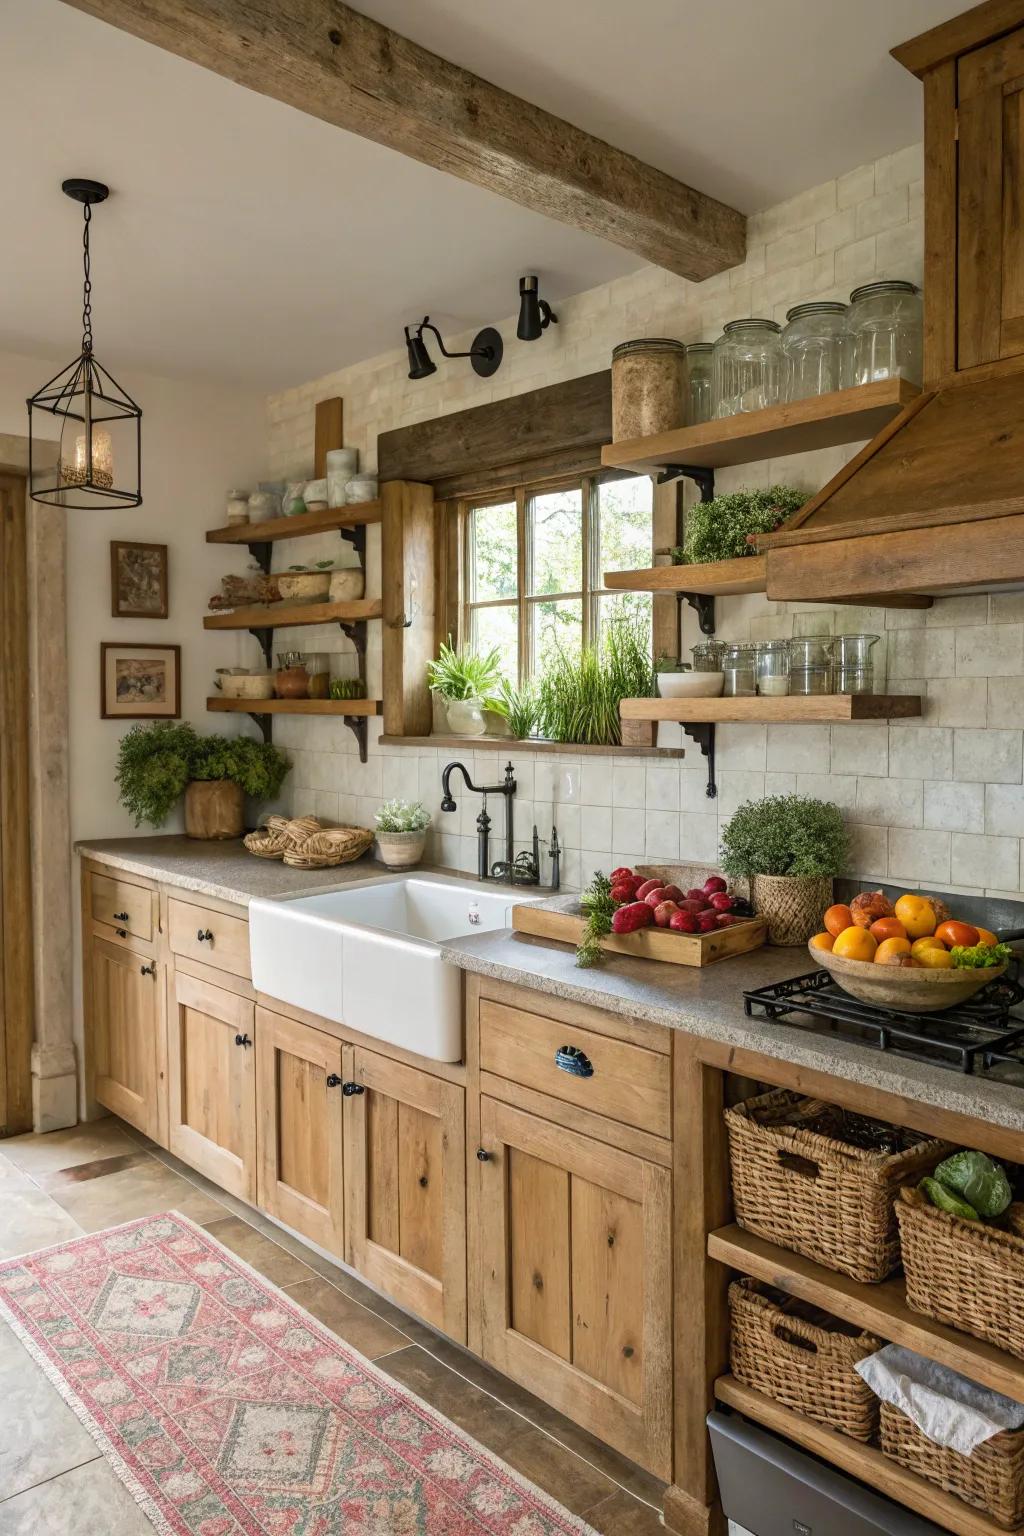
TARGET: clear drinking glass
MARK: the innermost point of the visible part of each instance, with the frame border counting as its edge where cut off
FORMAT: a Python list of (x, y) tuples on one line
[(746, 363), (810, 664), (773, 668), (886, 330), (815, 350), (698, 382), (740, 667), (853, 666)]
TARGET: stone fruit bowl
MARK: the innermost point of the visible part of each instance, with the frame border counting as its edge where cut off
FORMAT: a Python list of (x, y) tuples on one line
[(909, 989)]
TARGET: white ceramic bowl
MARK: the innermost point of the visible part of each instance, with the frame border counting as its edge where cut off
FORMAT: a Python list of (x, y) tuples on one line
[(690, 685)]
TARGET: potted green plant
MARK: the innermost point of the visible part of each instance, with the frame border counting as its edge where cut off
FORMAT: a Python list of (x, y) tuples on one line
[(401, 832), (519, 709), (158, 764), (464, 680), (580, 693), (790, 848), (718, 529)]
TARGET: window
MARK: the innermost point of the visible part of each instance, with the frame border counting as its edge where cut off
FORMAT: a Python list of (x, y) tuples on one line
[(534, 562)]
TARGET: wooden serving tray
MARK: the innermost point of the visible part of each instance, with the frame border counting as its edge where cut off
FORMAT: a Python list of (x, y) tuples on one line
[(647, 943)]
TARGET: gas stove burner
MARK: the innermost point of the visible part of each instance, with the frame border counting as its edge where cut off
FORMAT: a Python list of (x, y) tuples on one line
[(979, 1036)]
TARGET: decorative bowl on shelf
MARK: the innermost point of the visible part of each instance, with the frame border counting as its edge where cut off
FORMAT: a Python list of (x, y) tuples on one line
[(248, 685), (304, 586), (908, 988), (690, 685)]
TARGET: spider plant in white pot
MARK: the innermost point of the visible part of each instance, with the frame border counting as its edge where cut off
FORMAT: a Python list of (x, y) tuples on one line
[(465, 680), (401, 832)]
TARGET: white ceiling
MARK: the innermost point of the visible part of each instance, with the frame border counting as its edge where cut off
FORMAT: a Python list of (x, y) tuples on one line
[(249, 242)]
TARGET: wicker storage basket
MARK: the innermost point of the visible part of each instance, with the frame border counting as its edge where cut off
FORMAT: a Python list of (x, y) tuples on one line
[(991, 1478), (808, 1190), (331, 846), (966, 1273), (802, 1358), (791, 905)]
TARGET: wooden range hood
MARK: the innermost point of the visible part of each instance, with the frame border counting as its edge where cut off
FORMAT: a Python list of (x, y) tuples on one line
[(935, 502)]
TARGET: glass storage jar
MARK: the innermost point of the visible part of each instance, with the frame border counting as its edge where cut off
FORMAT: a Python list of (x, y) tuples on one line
[(773, 668), (740, 667), (810, 664), (707, 655), (853, 667), (886, 332), (648, 387), (698, 382), (746, 362), (815, 350)]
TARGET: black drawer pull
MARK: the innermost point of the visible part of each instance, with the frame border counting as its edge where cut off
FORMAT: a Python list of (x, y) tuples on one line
[(120, 917), (242, 1040), (333, 1080), (122, 933), (482, 1156), (148, 970), (349, 1089), (205, 936), (569, 1058)]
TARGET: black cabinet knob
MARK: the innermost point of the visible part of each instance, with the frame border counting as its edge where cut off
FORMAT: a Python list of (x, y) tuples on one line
[(242, 1040), (120, 917), (122, 933), (333, 1080), (148, 970), (205, 936), (348, 1089), (482, 1156), (424, 1181)]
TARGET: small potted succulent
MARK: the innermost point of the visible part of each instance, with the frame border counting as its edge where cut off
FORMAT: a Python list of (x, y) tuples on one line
[(790, 848), (401, 832), (465, 682), (158, 764)]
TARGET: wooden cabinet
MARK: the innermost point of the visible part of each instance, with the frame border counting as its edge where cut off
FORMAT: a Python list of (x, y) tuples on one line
[(212, 1083), (405, 1186), (122, 905), (125, 1032), (299, 1127), (210, 936), (575, 1277)]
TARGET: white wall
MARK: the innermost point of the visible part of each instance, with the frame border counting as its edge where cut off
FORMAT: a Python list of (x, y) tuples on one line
[(937, 801)]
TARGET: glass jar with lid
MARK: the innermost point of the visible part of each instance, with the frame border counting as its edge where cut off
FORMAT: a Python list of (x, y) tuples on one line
[(853, 667), (746, 363), (707, 655), (815, 350), (648, 387), (886, 323), (810, 664), (740, 667), (773, 668), (698, 382)]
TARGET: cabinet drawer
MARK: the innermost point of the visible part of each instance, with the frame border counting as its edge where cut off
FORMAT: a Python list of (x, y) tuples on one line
[(124, 906), (625, 1082), (213, 937)]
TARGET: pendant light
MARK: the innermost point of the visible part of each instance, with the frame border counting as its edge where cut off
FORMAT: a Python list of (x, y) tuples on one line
[(99, 442)]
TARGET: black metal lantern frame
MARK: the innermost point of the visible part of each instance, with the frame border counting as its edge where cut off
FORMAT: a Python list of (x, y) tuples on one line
[(86, 399)]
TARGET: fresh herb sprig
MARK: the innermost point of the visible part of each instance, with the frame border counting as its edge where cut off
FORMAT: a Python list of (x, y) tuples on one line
[(598, 905)]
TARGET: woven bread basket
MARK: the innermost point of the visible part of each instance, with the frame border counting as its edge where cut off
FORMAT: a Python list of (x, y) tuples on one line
[(969, 1274), (329, 847), (812, 1192), (279, 836), (991, 1478), (802, 1358)]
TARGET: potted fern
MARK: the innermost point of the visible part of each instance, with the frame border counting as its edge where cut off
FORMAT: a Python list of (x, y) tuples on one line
[(401, 832), (159, 764), (465, 681)]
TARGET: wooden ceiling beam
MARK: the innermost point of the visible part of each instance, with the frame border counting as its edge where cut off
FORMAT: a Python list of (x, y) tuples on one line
[(326, 59)]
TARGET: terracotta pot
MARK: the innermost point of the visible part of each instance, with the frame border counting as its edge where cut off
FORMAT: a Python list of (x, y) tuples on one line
[(291, 683), (399, 850), (214, 809)]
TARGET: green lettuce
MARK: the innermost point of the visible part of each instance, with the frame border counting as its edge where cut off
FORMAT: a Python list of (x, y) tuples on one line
[(980, 956), (978, 1180)]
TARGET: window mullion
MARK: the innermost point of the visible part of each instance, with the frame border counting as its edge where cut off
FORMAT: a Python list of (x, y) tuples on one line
[(524, 567)]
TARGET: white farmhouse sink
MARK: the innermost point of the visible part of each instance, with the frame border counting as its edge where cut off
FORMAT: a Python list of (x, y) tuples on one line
[(368, 956)]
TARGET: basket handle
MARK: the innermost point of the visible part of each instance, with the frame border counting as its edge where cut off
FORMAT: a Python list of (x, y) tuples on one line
[(787, 1334), (793, 1162)]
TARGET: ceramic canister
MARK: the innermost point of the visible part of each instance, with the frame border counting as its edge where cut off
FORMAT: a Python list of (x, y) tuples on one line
[(341, 464)]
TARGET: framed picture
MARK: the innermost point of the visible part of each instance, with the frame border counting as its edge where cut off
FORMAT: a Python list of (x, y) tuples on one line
[(138, 580), (140, 682)]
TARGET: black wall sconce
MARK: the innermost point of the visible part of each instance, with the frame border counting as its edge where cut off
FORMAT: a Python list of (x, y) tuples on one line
[(535, 313), (485, 354)]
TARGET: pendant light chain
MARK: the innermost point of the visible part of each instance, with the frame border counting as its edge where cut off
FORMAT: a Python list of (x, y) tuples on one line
[(87, 284)]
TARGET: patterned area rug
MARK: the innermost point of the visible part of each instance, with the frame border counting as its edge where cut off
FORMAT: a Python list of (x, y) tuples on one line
[(226, 1408)]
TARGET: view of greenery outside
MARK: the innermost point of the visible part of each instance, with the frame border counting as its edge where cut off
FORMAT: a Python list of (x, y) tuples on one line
[(559, 584)]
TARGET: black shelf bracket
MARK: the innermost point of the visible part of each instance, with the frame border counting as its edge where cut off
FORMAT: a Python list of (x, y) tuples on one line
[(357, 725), (702, 475), (702, 603), (261, 551), (356, 536), (355, 629), (265, 723), (264, 636), (703, 733)]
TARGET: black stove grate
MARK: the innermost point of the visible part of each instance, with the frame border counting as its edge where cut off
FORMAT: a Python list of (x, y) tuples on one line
[(975, 1037)]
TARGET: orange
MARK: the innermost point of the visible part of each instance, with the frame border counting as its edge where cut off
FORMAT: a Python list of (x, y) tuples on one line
[(952, 932), (917, 916), (887, 928), (855, 944), (935, 958), (928, 942), (837, 918), (986, 936), (823, 941), (892, 951)]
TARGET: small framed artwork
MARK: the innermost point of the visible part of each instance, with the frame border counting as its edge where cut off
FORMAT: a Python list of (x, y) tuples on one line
[(138, 580), (140, 682)]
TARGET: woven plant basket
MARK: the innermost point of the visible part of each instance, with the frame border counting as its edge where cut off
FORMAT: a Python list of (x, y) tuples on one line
[(969, 1274), (801, 1357), (991, 1478), (791, 905), (329, 847), (813, 1193)]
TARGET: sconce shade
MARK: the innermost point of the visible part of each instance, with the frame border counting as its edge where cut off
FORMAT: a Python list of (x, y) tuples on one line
[(421, 365), (99, 440), (535, 313)]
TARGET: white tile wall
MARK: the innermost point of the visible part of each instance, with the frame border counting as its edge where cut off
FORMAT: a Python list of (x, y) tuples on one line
[(938, 800)]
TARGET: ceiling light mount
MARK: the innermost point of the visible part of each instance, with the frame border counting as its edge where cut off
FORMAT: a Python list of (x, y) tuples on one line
[(535, 313), (485, 354), (85, 191)]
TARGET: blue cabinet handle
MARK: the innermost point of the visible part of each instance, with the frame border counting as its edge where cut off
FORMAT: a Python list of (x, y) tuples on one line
[(569, 1058)]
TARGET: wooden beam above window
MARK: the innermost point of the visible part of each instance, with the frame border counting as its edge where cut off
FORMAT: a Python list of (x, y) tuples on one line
[(336, 64)]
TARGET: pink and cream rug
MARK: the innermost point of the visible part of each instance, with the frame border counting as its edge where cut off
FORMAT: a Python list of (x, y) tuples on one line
[(227, 1410)]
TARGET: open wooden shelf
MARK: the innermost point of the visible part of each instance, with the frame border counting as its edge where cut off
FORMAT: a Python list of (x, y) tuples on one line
[(220, 705), (864, 1462), (275, 528), (879, 1309), (793, 709), (845, 416), (285, 615), (531, 744), (718, 578)]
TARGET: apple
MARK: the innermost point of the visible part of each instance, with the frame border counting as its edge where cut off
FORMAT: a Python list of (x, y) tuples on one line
[(656, 897), (645, 886), (622, 891), (707, 922), (663, 913), (695, 893), (672, 893), (715, 883), (622, 873), (693, 906), (721, 902), (724, 920), (683, 922)]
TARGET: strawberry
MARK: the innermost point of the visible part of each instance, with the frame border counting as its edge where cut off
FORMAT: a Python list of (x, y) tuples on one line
[(683, 922), (663, 913), (622, 873), (622, 891), (628, 919)]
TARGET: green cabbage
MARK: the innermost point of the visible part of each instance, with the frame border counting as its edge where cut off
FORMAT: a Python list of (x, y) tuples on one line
[(980, 1181)]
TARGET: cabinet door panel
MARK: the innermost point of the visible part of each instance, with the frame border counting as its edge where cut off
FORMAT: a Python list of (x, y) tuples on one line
[(124, 1023), (574, 1290), (212, 1083), (299, 1127), (405, 1214)]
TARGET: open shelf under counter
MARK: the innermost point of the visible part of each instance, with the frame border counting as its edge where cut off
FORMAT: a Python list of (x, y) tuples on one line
[(328, 521), (878, 1309), (864, 1462), (531, 744), (793, 709), (223, 706), (824, 421), (287, 615)]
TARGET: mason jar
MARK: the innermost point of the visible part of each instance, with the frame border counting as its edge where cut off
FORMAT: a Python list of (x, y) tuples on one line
[(815, 350), (886, 332), (648, 387), (746, 363), (698, 382), (853, 667), (773, 668), (810, 664), (740, 667)]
